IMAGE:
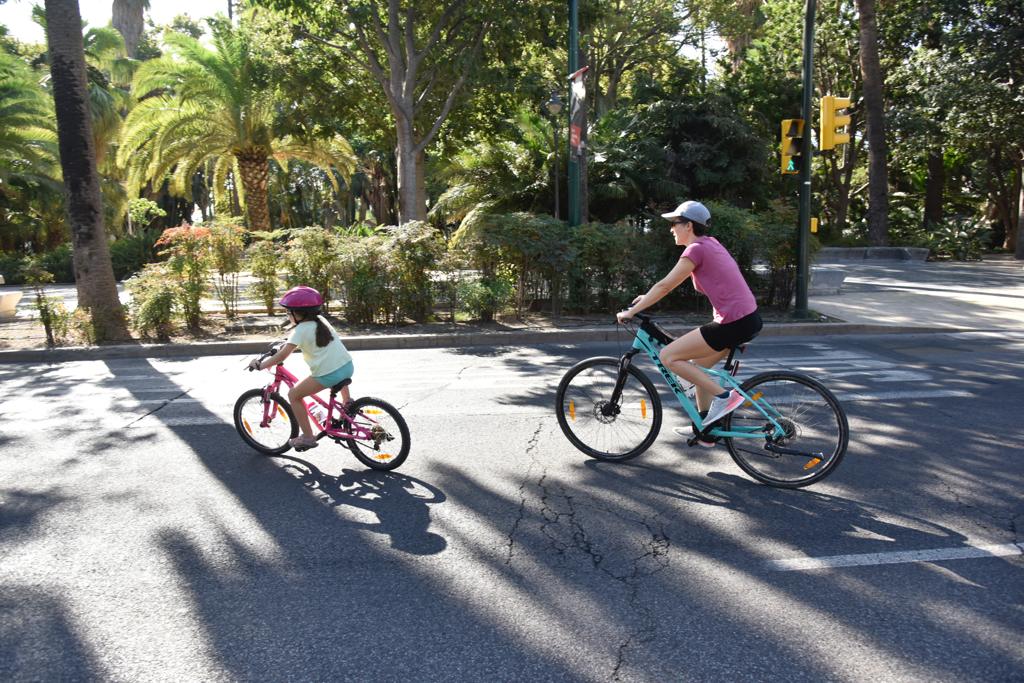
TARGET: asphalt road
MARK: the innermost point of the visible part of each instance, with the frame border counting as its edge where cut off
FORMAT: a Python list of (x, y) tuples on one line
[(140, 539)]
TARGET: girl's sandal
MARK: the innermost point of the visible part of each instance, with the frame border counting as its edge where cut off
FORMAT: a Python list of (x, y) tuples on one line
[(303, 443)]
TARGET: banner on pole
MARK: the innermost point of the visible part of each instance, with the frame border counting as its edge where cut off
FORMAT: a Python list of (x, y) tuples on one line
[(577, 115)]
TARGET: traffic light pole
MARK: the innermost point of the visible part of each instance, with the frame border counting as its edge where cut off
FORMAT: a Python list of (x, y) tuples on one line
[(804, 228)]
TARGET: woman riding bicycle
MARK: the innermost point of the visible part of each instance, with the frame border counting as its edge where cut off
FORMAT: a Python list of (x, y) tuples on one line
[(736, 320)]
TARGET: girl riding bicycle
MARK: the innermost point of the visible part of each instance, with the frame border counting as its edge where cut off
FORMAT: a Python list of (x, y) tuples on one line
[(736, 320), (328, 359)]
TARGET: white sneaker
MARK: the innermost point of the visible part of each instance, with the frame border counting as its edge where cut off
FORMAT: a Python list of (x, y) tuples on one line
[(720, 407)]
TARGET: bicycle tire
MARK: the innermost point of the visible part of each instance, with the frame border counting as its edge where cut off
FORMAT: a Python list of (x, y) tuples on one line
[(574, 404), (370, 453), (815, 422), (248, 415)]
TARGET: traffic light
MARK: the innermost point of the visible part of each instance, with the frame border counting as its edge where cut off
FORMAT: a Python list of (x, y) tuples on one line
[(831, 121), (791, 146)]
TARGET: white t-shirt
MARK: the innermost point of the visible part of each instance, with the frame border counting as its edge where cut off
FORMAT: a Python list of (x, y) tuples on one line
[(321, 359)]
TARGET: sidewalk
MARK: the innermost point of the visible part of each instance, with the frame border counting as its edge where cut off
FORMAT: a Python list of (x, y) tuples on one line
[(876, 297), (986, 295)]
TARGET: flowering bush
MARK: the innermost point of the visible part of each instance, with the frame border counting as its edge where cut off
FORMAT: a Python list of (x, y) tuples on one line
[(187, 249)]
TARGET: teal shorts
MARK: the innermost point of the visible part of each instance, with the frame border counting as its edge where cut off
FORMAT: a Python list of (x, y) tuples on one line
[(332, 378)]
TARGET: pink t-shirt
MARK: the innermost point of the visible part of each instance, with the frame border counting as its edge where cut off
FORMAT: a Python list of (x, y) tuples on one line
[(716, 274)]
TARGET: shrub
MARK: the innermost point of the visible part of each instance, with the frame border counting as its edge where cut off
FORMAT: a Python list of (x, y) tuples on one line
[(263, 259), (154, 294), (52, 312), (82, 326), (364, 276), (312, 260), (961, 238), (59, 262), (227, 249), (12, 268), (413, 251), (188, 261), (482, 298), (129, 254)]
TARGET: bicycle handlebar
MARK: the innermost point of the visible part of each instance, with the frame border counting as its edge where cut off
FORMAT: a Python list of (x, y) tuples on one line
[(274, 348)]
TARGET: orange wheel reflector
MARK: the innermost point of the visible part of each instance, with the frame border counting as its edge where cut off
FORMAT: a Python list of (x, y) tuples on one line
[(572, 410), (383, 456), (245, 423), (756, 396), (371, 411), (811, 463), (643, 409), (280, 411)]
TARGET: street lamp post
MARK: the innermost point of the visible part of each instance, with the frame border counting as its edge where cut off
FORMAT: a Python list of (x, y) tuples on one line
[(554, 107)]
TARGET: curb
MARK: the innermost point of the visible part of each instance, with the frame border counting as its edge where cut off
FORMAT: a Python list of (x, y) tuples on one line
[(428, 341)]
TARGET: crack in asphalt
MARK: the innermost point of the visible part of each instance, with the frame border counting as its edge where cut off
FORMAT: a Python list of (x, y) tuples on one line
[(158, 408), (1007, 522), (531, 450), (559, 511), (427, 393)]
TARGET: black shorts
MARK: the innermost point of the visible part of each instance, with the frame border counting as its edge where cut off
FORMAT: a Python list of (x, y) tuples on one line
[(721, 336)]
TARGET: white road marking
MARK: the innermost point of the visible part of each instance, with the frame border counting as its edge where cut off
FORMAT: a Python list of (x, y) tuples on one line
[(894, 557), (882, 396)]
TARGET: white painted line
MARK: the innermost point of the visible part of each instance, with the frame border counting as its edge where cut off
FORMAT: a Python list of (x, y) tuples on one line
[(883, 396), (894, 557)]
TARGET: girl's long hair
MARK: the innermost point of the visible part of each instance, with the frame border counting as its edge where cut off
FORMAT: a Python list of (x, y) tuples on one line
[(323, 333)]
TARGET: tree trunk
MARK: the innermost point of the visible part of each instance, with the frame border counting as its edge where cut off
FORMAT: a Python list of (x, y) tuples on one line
[(874, 105), (421, 182), (255, 170), (934, 187), (1012, 211), (1018, 247), (94, 275), (128, 18), (408, 206)]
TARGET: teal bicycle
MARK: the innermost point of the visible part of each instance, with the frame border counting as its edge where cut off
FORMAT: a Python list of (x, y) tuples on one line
[(790, 432)]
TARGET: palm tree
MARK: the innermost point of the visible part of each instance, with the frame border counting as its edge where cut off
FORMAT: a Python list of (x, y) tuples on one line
[(109, 73), (29, 164), (500, 175), (128, 19), (94, 275), (209, 110)]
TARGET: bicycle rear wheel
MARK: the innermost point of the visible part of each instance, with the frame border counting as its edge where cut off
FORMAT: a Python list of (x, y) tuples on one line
[(387, 445), (816, 430), (270, 438), (597, 427)]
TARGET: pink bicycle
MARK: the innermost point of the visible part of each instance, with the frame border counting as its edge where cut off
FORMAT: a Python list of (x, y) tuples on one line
[(373, 429)]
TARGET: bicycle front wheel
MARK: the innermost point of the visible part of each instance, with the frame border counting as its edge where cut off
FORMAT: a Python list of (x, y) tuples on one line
[(266, 424), (599, 428), (384, 440), (815, 429)]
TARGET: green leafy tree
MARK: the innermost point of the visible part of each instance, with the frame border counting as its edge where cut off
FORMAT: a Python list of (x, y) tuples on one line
[(29, 162), (213, 110)]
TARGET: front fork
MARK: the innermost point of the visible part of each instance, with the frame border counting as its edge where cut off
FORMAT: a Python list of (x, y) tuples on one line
[(612, 407)]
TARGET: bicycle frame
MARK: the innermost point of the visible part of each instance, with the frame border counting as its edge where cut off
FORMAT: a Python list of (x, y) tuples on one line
[(645, 342), (283, 376)]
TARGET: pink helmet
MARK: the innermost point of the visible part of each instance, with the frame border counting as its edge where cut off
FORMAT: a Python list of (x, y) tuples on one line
[(302, 297)]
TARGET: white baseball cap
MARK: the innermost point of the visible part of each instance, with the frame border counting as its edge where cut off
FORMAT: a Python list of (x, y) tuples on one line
[(691, 211)]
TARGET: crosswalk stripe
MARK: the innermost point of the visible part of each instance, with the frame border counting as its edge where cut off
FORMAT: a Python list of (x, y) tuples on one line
[(894, 557)]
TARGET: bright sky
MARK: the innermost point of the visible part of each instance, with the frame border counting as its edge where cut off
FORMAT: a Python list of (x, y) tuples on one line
[(16, 15)]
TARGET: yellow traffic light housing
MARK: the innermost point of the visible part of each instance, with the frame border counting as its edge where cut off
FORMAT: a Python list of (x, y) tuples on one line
[(791, 147), (833, 125)]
